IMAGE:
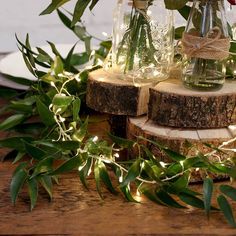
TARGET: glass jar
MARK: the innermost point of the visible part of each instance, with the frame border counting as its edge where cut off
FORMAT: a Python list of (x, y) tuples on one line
[(142, 39), (231, 18), (206, 46)]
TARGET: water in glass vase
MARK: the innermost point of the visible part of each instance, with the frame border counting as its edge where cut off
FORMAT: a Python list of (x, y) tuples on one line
[(211, 81), (206, 46), (203, 74)]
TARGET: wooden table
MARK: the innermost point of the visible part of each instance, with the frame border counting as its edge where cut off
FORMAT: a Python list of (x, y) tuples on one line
[(76, 211)]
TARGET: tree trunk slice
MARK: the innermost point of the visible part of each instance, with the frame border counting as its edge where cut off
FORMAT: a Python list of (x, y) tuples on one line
[(171, 104), (178, 140), (107, 93)]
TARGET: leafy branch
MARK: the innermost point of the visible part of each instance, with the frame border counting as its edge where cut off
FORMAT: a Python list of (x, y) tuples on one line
[(63, 144), (55, 140)]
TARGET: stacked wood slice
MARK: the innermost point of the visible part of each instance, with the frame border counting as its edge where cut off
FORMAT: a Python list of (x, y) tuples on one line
[(106, 92), (176, 117)]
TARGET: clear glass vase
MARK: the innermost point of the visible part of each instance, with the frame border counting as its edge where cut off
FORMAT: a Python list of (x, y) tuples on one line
[(231, 18), (142, 39), (206, 46)]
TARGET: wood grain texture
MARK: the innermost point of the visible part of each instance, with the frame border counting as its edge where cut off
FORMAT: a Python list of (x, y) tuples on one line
[(76, 211), (173, 105), (178, 140), (106, 92)]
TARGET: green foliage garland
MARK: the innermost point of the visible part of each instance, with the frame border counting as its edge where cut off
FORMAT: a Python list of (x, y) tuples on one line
[(49, 117)]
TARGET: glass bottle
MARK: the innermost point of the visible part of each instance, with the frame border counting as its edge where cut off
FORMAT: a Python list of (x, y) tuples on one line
[(231, 18), (205, 66), (142, 46)]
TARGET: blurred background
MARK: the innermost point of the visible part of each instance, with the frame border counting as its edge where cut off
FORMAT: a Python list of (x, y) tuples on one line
[(22, 17)]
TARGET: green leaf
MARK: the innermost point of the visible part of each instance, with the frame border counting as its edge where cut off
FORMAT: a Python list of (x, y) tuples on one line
[(174, 169), (229, 191), (105, 177), (175, 4), (54, 50), (29, 54), (179, 32), (45, 114), (43, 58), (93, 4), (106, 44), (29, 66), (67, 166), (15, 142), (33, 192), (153, 173), (12, 121), (97, 178), (126, 191), (62, 101), (80, 134), (124, 143), (80, 7), (207, 194), (68, 58), (18, 179), (181, 183), (185, 11), (76, 109), (18, 157), (227, 210), (67, 145), (150, 195), (174, 155), (47, 57), (46, 182), (85, 169), (65, 20), (133, 173), (18, 80), (8, 93), (48, 78), (43, 166), (193, 162), (191, 200), (167, 199), (23, 105), (55, 4), (58, 66), (34, 152)]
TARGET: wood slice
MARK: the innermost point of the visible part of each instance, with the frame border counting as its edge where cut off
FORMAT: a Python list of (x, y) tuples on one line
[(171, 104), (107, 93), (179, 139)]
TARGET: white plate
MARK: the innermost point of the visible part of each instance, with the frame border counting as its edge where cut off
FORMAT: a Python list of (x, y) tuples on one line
[(13, 64)]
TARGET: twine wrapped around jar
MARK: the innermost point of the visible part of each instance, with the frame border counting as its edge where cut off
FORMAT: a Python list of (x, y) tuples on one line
[(141, 5), (214, 47)]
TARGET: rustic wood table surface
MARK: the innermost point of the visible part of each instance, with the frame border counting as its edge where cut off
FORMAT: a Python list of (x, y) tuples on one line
[(77, 211)]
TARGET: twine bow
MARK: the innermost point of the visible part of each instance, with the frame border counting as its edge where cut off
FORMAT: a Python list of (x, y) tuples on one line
[(141, 6), (214, 47)]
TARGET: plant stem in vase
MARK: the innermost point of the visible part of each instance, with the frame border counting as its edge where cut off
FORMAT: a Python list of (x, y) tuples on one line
[(142, 46)]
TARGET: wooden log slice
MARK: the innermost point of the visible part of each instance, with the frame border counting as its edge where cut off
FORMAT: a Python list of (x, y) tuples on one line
[(171, 104), (107, 93), (179, 140)]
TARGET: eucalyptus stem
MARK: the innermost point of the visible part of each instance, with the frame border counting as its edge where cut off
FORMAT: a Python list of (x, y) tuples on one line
[(137, 43)]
